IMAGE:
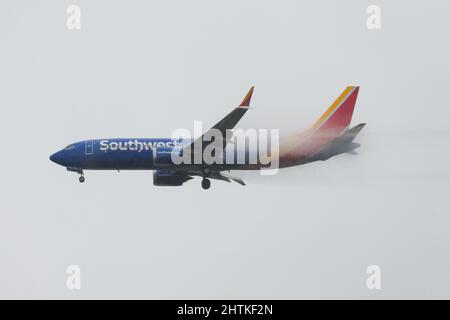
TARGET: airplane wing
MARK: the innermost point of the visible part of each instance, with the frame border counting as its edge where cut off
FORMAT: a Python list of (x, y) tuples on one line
[(217, 175), (226, 177), (227, 123)]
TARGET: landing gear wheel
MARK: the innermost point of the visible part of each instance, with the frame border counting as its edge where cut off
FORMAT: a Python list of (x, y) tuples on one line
[(81, 179), (206, 183)]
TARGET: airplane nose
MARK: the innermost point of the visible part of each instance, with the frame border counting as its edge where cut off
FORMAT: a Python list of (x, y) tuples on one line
[(56, 157)]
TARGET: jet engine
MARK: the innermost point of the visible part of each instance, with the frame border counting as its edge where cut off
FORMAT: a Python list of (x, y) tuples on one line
[(169, 178)]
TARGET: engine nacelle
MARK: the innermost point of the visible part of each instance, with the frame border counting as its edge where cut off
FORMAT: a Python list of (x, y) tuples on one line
[(169, 178), (162, 156)]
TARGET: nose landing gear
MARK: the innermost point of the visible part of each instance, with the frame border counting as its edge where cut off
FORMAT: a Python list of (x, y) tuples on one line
[(79, 171)]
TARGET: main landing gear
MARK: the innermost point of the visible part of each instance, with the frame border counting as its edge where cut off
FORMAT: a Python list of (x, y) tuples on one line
[(206, 183), (81, 178)]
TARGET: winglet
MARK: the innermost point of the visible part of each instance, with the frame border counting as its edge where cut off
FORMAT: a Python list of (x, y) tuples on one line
[(248, 97)]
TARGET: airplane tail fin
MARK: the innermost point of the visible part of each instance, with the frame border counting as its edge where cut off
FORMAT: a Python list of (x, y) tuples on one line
[(332, 124), (339, 115)]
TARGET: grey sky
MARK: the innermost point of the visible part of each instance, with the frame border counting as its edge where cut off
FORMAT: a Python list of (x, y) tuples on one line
[(143, 69)]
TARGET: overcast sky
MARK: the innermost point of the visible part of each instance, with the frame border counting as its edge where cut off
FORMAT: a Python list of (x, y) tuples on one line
[(143, 69)]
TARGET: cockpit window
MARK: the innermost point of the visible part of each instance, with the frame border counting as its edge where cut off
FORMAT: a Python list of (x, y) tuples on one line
[(70, 147)]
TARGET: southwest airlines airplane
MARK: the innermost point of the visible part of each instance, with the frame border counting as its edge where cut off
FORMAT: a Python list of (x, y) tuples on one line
[(329, 136)]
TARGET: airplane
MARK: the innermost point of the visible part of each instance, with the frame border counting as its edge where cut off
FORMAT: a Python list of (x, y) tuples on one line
[(329, 136)]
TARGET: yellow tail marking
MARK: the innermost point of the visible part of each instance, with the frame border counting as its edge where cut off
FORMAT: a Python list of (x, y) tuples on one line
[(335, 104)]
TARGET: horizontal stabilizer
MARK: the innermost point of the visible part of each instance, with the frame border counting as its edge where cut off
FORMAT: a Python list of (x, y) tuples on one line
[(342, 144), (353, 132)]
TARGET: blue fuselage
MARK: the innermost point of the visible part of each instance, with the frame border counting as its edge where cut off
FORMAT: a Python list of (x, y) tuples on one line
[(107, 154), (127, 154)]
